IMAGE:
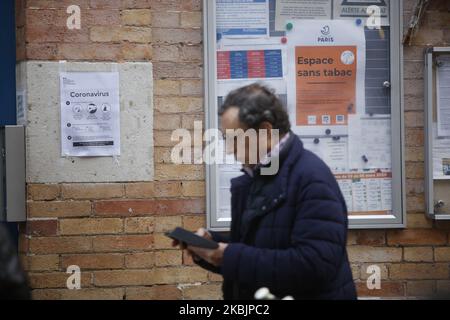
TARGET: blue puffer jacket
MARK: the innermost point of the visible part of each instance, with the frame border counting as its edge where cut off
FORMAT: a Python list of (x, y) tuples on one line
[(288, 232)]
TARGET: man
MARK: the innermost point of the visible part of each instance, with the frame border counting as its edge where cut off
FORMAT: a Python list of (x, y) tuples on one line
[(13, 281), (289, 230)]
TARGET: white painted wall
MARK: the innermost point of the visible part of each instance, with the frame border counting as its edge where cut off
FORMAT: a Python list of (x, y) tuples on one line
[(44, 161)]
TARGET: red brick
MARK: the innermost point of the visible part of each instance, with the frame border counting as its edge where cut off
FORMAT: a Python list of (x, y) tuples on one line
[(194, 189), (42, 263), (55, 34), (147, 190), (43, 192), (94, 261), (167, 121), (56, 280), (92, 191), (112, 4), (425, 271), (56, 209), (164, 19), (419, 221), (179, 172), (167, 87), (418, 254), (90, 226), (83, 294), (152, 207), (122, 243), (175, 36), (415, 187), (371, 238), (388, 289), (417, 237), (144, 225), (203, 292), (164, 224), (171, 70), (179, 104), (123, 278), (374, 254), (41, 51), (442, 254), (366, 270), (139, 17), (60, 245), (101, 17), (191, 19), (168, 292), (416, 204), (168, 258), (443, 289), (193, 223), (42, 228), (140, 260), (423, 289), (192, 87), (136, 52), (162, 241), (90, 51), (56, 4), (149, 277)]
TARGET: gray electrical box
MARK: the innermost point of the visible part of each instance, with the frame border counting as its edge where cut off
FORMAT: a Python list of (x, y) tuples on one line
[(12, 174), (437, 132)]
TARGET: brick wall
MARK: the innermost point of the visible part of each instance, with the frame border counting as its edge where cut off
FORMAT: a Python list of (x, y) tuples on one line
[(122, 252)]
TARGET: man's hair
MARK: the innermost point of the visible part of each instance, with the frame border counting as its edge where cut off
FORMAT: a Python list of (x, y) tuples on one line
[(258, 104)]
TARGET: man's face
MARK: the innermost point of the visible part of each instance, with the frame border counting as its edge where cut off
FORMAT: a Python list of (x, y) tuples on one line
[(243, 147)]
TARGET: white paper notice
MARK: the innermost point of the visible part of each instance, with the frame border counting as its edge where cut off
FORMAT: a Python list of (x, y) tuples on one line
[(21, 107), (326, 81), (367, 193), (90, 114), (226, 172), (441, 156), (287, 10), (443, 96), (370, 142), (333, 151), (243, 18)]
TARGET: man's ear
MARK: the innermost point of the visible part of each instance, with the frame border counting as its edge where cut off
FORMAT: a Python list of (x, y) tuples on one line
[(266, 126)]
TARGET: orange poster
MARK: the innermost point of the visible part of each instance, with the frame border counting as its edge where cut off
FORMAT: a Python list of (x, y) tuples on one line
[(326, 84)]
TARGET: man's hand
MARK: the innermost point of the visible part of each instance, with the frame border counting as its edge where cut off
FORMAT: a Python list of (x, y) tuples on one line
[(214, 257), (200, 232)]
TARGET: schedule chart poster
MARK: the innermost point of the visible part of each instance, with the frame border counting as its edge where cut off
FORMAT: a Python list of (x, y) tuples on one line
[(367, 193), (234, 65)]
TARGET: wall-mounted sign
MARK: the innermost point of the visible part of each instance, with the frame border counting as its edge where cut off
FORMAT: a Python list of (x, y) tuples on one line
[(90, 114)]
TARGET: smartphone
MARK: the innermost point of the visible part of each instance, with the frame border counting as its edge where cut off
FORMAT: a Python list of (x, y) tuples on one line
[(191, 239)]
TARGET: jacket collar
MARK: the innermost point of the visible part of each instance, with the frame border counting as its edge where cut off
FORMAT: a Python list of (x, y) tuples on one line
[(277, 189), (269, 158), (290, 152)]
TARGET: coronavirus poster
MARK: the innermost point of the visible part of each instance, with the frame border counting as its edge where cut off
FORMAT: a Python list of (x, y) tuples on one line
[(90, 114)]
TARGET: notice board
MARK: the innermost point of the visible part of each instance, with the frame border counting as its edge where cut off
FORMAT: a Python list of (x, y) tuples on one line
[(437, 100), (337, 67)]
